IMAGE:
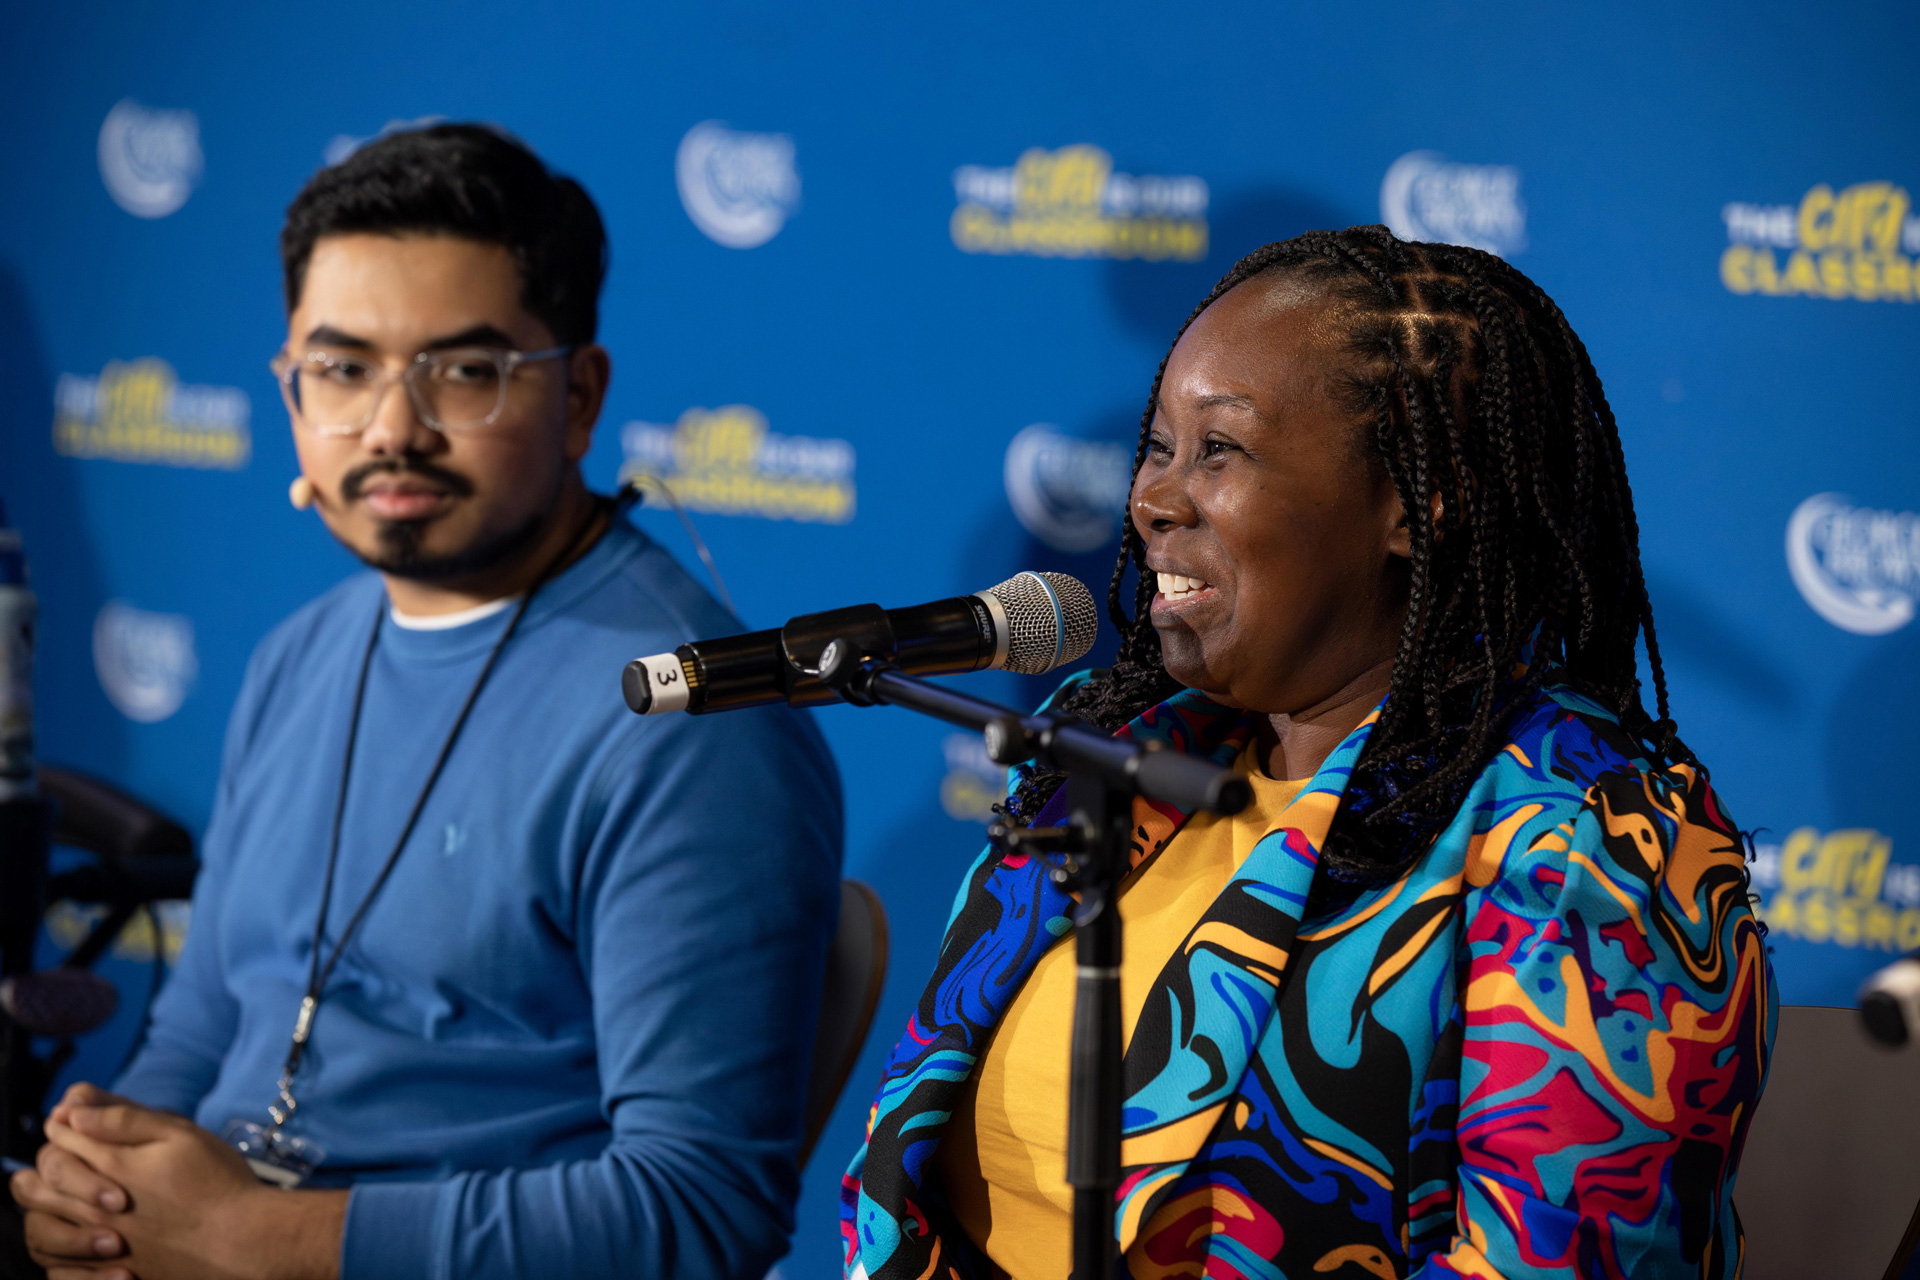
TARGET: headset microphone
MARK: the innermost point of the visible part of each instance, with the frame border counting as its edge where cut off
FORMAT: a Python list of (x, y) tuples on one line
[(1032, 622)]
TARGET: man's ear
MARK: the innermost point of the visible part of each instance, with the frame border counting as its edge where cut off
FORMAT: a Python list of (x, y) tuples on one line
[(589, 370), (1400, 540)]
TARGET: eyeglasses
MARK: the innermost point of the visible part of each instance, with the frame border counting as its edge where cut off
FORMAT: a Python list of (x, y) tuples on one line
[(458, 390)]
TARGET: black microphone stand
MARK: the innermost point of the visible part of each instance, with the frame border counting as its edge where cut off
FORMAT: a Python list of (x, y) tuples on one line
[(1090, 852)]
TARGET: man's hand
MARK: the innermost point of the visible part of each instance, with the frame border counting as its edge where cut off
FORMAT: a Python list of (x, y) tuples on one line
[(194, 1209), (69, 1207)]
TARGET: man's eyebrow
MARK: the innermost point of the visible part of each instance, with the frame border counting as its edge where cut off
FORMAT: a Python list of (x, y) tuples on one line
[(480, 335), (327, 336)]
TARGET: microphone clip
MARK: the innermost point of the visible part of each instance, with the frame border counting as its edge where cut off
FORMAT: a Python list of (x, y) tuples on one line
[(1066, 847), (862, 632), (848, 668)]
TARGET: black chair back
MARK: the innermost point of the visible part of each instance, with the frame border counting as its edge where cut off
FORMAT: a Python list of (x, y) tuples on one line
[(1830, 1179), (856, 970)]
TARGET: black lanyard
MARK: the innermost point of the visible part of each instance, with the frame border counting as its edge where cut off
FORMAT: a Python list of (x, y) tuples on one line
[(318, 973)]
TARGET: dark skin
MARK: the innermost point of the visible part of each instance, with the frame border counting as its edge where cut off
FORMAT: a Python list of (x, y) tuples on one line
[(1257, 482)]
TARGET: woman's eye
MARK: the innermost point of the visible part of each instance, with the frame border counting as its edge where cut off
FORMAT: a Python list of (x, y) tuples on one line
[(1159, 445)]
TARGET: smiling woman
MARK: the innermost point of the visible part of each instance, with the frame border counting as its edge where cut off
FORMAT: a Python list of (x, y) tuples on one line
[(1354, 379), (1473, 987)]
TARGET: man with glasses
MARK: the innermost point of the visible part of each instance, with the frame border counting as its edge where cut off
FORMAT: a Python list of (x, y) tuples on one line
[(503, 980)]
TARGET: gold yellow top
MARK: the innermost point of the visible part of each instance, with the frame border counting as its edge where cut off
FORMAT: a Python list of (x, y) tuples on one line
[(1003, 1160)]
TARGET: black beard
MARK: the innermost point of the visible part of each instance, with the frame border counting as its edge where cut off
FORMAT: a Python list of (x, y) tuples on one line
[(397, 550), (397, 542)]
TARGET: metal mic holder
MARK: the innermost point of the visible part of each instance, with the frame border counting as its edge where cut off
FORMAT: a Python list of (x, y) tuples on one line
[(1089, 855)]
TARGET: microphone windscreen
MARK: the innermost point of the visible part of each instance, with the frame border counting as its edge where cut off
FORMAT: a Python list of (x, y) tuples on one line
[(1051, 620), (58, 1002)]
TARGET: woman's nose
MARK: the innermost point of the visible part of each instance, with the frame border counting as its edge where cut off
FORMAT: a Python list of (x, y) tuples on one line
[(1160, 501)]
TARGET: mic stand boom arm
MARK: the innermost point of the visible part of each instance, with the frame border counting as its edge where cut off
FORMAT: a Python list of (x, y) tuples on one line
[(1103, 776)]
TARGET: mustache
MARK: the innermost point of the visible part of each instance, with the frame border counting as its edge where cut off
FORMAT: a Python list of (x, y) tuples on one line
[(355, 482)]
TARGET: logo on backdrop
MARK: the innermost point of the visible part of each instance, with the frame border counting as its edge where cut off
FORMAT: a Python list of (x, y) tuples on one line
[(1068, 493), (1861, 242), (1071, 204), (739, 188), (974, 783), (149, 159), (68, 924), (726, 461), (1859, 568), (145, 660), (137, 411), (1425, 197), (1841, 887)]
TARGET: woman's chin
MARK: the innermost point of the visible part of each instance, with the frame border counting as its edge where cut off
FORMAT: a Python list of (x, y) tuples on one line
[(1180, 656)]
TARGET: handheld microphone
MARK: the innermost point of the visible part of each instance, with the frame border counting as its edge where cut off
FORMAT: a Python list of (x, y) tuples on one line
[(1032, 622), (1890, 1001)]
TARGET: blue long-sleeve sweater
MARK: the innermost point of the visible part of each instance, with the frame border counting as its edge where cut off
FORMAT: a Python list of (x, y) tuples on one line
[(571, 1037)]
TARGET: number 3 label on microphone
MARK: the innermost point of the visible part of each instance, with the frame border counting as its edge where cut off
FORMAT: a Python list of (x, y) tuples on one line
[(665, 686)]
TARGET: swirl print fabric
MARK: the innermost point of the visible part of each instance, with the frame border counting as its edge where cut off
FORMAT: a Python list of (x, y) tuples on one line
[(1535, 1054)]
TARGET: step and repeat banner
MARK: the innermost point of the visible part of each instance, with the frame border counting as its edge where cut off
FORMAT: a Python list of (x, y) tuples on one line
[(888, 290)]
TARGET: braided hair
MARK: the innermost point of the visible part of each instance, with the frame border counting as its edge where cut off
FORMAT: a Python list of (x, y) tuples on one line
[(1478, 392)]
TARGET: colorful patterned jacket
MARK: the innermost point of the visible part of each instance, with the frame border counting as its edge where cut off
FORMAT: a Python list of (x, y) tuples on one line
[(1535, 1054)]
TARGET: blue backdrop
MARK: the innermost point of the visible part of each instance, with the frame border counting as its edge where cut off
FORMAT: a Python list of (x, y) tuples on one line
[(888, 289)]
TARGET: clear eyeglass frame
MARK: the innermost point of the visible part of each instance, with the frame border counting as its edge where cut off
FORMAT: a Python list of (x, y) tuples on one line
[(416, 377)]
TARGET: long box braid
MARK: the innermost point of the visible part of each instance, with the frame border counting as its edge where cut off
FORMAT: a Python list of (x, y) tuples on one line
[(1480, 392)]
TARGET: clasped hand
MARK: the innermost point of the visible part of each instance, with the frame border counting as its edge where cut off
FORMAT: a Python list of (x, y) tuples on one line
[(123, 1191)]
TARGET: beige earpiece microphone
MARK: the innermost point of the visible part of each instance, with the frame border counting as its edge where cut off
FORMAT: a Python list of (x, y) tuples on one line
[(301, 493)]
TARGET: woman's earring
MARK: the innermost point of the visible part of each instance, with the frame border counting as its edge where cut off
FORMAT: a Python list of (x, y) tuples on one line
[(301, 493)]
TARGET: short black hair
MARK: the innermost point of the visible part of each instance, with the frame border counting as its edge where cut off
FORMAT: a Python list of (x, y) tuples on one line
[(471, 181)]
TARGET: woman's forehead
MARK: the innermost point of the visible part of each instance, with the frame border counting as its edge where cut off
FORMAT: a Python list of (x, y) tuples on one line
[(1273, 342)]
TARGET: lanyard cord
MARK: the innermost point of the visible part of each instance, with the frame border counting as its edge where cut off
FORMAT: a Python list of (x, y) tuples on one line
[(317, 973)]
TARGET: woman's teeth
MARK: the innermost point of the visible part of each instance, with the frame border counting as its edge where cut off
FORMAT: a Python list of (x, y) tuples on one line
[(1176, 586)]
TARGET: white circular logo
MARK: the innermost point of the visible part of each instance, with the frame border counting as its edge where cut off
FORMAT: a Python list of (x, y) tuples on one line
[(150, 160), (739, 188), (1424, 198), (1858, 568), (145, 660), (1068, 493)]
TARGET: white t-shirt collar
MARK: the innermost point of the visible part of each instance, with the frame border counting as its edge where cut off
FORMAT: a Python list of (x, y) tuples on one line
[(448, 621)]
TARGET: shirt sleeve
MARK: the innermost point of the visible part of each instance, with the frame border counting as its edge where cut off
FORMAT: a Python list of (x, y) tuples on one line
[(707, 893), (1618, 1013), (194, 1016)]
